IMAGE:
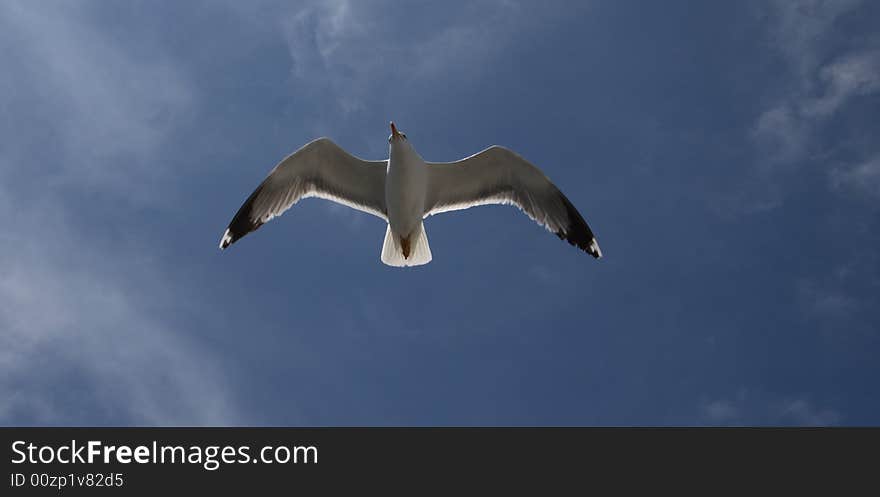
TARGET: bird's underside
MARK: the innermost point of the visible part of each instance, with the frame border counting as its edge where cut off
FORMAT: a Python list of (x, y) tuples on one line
[(494, 176)]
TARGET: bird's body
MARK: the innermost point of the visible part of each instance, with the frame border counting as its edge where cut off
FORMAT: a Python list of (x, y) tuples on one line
[(405, 189), (406, 185)]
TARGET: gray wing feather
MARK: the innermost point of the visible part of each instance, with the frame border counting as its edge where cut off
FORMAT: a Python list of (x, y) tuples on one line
[(318, 169), (500, 176)]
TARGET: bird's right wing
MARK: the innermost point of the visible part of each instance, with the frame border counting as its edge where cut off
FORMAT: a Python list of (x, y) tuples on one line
[(318, 169), (499, 176)]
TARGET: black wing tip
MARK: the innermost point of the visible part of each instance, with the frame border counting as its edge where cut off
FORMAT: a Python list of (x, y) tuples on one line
[(591, 247), (233, 233), (228, 239), (578, 233), (242, 224)]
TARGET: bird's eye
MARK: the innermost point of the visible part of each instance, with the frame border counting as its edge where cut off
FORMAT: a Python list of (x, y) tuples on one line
[(403, 135)]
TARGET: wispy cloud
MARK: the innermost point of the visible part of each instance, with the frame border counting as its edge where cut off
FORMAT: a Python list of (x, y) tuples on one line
[(722, 411), (863, 178), (69, 331), (785, 130), (841, 300), (803, 32), (782, 134), (80, 341), (358, 50), (97, 111), (845, 78), (804, 412), (76, 316), (825, 301), (800, 30), (750, 408)]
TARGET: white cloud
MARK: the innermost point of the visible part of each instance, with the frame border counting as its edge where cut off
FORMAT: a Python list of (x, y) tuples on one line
[(825, 300), (77, 315), (782, 133), (803, 412), (80, 339), (799, 28), (352, 49), (847, 77), (785, 131), (99, 111), (750, 408), (863, 178), (803, 32), (721, 411)]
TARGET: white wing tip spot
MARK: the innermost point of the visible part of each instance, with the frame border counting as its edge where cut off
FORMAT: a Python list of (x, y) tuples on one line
[(226, 240), (594, 246)]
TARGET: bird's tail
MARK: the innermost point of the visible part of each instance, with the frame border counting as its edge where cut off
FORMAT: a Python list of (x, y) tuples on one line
[(411, 251)]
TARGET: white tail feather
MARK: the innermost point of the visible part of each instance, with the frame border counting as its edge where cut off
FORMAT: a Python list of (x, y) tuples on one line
[(420, 251)]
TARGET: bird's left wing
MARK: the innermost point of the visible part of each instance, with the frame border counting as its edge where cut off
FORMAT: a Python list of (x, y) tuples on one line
[(318, 169), (499, 176)]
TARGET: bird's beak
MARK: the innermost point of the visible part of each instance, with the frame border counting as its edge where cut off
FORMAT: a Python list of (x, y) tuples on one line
[(394, 131)]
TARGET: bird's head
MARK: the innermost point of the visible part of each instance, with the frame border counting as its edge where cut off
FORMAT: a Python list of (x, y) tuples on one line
[(396, 135), (399, 146)]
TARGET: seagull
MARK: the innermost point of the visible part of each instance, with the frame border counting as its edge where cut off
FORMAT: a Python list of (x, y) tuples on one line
[(404, 190)]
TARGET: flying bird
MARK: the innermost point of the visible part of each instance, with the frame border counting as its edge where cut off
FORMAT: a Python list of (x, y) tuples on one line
[(404, 190)]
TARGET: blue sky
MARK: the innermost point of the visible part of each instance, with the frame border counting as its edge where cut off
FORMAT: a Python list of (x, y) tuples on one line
[(725, 154)]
